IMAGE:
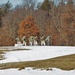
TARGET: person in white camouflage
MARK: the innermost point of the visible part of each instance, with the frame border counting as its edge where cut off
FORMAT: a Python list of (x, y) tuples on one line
[(42, 39), (24, 40), (35, 41), (31, 40), (18, 42), (47, 40)]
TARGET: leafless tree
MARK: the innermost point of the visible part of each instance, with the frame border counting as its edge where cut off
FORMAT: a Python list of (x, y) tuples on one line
[(29, 5)]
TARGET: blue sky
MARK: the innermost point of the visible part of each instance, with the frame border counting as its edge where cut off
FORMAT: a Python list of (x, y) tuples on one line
[(14, 2)]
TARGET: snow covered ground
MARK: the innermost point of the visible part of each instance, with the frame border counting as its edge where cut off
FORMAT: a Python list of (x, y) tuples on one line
[(30, 71), (37, 53)]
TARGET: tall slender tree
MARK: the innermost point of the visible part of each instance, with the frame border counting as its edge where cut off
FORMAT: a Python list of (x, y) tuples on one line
[(29, 5), (46, 5), (1, 14)]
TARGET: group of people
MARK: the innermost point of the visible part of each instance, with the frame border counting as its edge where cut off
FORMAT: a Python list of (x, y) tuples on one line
[(33, 41)]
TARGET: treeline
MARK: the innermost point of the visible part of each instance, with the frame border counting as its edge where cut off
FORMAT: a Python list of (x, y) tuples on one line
[(53, 19)]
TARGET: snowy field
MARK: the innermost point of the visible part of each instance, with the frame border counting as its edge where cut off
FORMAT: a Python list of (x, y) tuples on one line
[(36, 53), (30, 71)]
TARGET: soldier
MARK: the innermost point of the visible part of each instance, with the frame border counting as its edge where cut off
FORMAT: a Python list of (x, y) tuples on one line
[(47, 41), (24, 40), (18, 42), (38, 40), (31, 40), (35, 41), (42, 41)]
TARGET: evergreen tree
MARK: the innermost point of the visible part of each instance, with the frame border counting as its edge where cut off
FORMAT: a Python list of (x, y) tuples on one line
[(46, 5)]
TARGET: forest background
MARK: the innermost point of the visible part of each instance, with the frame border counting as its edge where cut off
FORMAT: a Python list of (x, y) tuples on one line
[(51, 18)]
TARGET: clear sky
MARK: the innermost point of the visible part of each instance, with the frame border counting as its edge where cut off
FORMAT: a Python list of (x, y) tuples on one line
[(14, 2)]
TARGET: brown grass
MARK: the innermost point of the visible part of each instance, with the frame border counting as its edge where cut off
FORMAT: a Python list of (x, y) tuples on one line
[(1, 56), (65, 63)]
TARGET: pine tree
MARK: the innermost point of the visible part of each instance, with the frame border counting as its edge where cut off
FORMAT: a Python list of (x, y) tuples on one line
[(46, 5)]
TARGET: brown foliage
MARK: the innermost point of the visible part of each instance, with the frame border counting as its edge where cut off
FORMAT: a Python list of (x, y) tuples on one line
[(6, 41), (59, 24), (61, 27), (5, 38), (28, 27)]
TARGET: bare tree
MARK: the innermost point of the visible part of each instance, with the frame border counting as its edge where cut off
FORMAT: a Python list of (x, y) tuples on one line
[(29, 5)]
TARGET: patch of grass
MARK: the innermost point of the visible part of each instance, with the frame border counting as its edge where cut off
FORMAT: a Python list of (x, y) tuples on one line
[(65, 63), (3, 50), (17, 49), (1, 55), (20, 49)]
